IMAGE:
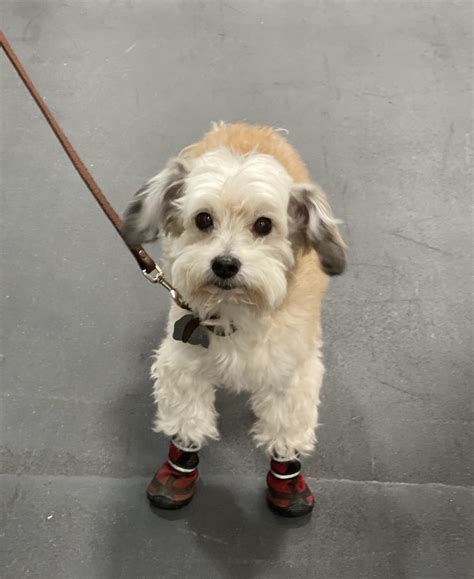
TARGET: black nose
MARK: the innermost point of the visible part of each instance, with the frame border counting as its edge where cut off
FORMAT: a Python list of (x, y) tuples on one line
[(225, 266)]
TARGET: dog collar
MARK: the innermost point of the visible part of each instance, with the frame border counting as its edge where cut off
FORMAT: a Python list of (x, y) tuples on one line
[(192, 330)]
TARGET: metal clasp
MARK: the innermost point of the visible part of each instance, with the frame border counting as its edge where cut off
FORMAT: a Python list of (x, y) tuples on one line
[(155, 276)]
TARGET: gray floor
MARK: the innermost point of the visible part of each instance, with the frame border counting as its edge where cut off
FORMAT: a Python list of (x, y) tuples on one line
[(377, 97)]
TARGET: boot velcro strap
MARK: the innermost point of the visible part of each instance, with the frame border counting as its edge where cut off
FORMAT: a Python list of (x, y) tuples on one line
[(181, 460), (285, 469), (285, 476), (181, 468)]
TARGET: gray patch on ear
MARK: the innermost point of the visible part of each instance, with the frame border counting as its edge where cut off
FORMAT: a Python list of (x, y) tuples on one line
[(135, 207), (313, 225), (153, 206), (332, 256)]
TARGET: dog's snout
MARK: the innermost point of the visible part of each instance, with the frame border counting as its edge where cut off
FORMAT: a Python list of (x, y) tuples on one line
[(225, 266)]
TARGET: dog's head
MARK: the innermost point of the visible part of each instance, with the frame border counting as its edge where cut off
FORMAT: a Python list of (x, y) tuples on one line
[(233, 225)]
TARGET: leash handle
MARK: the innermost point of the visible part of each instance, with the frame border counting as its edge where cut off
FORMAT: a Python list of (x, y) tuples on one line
[(149, 268)]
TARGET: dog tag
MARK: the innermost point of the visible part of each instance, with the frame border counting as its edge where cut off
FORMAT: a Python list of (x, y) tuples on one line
[(188, 329)]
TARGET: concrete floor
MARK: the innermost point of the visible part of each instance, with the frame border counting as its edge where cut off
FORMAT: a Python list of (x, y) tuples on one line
[(377, 98)]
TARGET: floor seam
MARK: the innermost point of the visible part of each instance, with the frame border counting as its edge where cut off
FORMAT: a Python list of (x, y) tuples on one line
[(313, 480)]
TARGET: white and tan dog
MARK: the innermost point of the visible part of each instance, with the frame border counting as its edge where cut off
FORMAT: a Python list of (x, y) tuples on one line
[(249, 241)]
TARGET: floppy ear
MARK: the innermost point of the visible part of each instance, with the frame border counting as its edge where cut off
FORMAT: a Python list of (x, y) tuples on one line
[(153, 206), (313, 225)]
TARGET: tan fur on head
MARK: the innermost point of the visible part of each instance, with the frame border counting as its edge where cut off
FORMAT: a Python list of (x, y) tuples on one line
[(243, 139), (237, 175)]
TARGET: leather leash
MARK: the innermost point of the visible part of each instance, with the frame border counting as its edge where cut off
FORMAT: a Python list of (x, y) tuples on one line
[(149, 268)]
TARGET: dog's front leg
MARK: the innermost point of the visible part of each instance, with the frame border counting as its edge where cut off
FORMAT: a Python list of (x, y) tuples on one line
[(184, 397), (185, 413), (286, 420)]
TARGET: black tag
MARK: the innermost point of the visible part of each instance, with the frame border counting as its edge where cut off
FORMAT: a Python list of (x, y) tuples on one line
[(188, 329)]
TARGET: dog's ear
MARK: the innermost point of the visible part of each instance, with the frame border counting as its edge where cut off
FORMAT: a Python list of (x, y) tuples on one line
[(153, 206), (313, 225)]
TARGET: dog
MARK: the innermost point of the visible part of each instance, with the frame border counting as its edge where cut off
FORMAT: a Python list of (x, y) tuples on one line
[(249, 241)]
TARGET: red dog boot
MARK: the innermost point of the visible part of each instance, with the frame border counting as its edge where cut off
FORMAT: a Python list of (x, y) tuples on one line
[(174, 483), (288, 493)]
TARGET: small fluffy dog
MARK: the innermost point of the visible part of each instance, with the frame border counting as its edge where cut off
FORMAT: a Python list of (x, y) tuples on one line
[(249, 241)]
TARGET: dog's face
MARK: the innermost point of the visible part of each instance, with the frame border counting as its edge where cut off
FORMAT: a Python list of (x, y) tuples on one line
[(233, 225)]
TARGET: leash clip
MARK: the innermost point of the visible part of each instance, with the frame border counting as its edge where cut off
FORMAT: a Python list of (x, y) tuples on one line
[(157, 276)]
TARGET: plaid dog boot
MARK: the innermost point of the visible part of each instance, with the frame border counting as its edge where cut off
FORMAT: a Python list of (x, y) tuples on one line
[(174, 483), (288, 493)]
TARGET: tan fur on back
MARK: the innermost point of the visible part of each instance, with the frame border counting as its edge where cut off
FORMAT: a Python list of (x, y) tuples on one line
[(305, 293), (308, 282)]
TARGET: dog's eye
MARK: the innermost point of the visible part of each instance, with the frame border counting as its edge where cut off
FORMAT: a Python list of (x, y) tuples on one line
[(262, 226), (203, 221)]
